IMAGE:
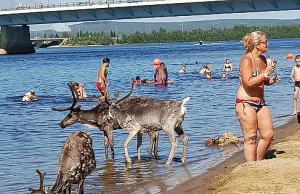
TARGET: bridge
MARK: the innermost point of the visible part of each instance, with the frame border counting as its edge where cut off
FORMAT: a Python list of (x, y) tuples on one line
[(46, 42), (10, 18)]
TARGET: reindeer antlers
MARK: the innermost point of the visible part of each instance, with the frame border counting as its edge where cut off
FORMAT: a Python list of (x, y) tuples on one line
[(131, 91), (41, 189), (71, 86)]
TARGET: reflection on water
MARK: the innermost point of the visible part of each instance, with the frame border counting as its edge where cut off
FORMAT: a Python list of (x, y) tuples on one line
[(140, 177), (31, 138)]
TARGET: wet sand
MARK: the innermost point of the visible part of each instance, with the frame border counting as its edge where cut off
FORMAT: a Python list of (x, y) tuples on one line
[(280, 173)]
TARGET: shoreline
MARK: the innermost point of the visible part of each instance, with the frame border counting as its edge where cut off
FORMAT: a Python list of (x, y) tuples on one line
[(137, 44), (203, 182)]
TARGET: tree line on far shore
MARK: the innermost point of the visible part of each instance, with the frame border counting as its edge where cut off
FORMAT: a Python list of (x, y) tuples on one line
[(162, 36)]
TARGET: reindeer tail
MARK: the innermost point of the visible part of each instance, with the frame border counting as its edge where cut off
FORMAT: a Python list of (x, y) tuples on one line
[(183, 109), (185, 100)]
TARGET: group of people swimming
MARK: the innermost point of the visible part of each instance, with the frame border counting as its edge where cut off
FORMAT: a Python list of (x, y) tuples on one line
[(208, 69), (160, 77)]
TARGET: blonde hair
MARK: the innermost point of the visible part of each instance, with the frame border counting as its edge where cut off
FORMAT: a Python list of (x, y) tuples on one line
[(252, 39)]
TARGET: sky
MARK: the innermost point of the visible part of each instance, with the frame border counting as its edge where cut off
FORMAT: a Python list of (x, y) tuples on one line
[(64, 26)]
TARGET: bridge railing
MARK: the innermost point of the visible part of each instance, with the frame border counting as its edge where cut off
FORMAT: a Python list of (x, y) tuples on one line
[(74, 4)]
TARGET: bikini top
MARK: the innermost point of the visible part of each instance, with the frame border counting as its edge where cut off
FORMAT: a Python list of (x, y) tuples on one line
[(227, 66), (255, 72)]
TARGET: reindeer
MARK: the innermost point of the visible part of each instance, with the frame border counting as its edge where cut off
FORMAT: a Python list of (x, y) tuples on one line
[(76, 162), (98, 117), (152, 114)]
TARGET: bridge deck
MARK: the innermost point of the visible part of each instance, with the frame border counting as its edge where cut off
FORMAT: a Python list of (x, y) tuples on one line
[(145, 9)]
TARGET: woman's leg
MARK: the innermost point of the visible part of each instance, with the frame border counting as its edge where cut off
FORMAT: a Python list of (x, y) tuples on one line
[(266, 129), (248, 121)]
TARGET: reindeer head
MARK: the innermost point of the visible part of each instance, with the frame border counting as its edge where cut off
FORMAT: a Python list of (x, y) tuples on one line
[(72, 117)]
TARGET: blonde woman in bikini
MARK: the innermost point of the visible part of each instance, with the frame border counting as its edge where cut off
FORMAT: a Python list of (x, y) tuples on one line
[(251, 109)]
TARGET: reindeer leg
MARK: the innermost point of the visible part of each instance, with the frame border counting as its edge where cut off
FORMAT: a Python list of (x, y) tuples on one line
[(105, 142), (170, 133), (110, 136), (185, 140), (139, 143), (156, 144), (132, 133), (80, 187), (68, 189), (152, 140)]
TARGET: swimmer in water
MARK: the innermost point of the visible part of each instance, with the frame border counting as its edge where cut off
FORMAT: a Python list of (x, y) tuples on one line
[(183, 69), (79, 91), (161, 74), (30, 96), (102, 82), (224, 76), (207, 70), (139, 81), (227, 66)]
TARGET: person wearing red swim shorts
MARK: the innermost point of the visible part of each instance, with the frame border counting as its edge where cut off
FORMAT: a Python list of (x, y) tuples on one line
[(102, 82)]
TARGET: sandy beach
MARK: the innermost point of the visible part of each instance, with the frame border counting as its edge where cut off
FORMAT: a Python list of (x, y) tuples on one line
[(278, 173)]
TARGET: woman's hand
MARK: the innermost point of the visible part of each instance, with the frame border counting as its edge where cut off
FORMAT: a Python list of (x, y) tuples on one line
[(271, 68), (274, 79), (274, 61)]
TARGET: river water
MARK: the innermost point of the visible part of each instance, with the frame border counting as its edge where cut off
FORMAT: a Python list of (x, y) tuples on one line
[(31, 137)]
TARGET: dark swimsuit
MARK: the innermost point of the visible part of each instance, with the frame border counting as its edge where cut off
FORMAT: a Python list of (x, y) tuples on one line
[(227, 67), (255, 104), (297, 84)]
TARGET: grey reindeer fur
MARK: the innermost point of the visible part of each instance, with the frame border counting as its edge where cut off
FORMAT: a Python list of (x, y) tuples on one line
[(98, 117), (153, 115)]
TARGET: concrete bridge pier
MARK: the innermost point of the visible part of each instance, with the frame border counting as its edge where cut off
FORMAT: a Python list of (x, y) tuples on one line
[(16, 40)]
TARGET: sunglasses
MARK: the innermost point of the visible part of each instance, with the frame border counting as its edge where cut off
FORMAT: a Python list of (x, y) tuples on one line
[(264, 42)]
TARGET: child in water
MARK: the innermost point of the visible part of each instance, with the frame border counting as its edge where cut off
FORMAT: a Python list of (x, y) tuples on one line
[(29, 96)]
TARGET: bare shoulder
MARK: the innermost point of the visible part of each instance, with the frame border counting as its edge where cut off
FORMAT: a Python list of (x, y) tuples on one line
[(246, 61), (103, 68)]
